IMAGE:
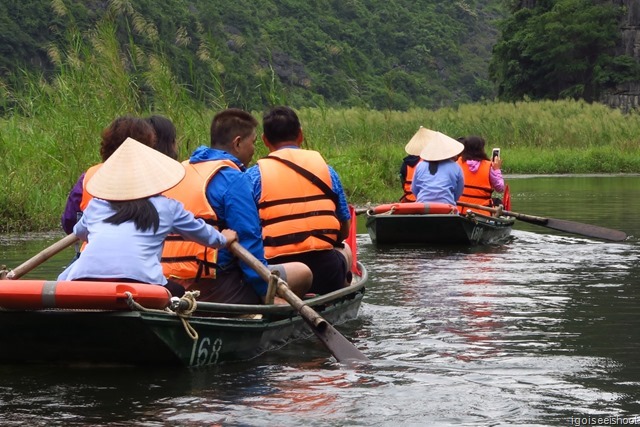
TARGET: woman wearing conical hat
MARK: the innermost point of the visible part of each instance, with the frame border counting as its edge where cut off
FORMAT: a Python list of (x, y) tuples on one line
[(127, 220), (438, 178)]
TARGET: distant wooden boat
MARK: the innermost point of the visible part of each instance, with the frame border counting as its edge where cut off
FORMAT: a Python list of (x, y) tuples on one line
[(112, 326), (400, 223)]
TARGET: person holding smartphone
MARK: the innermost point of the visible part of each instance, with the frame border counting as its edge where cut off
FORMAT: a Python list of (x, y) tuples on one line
[(482, 176)]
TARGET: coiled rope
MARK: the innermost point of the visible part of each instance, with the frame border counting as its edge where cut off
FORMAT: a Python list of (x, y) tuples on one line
[(186, 312), (184, 309)]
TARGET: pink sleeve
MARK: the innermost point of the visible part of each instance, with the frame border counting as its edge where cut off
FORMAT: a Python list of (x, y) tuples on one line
[(495, 178)]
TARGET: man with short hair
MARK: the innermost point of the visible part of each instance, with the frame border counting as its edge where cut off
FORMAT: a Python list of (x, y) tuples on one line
[(302, 205), (217, 189)]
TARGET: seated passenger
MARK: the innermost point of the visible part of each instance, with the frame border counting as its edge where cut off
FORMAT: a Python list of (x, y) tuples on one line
[(438, 179), (303, 209), (482, 176), (126, 221), (217, 190), (112, 136)]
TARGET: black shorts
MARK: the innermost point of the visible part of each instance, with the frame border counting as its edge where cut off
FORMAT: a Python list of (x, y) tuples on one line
[(228, 287), (329, 268)]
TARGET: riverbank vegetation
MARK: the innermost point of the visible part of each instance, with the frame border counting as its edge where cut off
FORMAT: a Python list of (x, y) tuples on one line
[(562, 49), (43, 153), (50, 129), (376, 54)]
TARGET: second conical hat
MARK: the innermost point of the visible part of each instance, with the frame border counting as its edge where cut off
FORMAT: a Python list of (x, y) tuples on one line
[(441, 147), (134, 171), (419, 140)]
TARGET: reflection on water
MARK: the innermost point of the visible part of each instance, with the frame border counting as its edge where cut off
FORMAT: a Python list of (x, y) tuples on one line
[(536, 331)]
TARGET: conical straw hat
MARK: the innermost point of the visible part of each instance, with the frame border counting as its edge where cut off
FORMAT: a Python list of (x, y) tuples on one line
[(419, 141), (135, 171), (441, 147)]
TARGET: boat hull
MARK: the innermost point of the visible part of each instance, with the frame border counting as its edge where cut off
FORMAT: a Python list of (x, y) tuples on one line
[(473, 229), (225, 332)]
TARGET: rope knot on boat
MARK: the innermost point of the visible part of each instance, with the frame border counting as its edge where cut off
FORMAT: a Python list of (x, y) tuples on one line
[(185, 308), (391, 211)]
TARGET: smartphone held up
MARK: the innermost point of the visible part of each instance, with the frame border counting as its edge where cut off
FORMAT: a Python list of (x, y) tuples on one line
[(495, 153)]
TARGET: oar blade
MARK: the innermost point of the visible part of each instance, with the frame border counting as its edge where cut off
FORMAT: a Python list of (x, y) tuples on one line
[(580, 228), (588, 230), (342, 349)]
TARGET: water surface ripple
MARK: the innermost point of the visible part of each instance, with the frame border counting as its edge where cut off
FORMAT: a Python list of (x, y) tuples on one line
[(543, 330)]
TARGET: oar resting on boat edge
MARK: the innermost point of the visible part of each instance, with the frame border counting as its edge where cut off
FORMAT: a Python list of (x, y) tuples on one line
[(558, 224), (41, 257), (360, 211), (342, 349)]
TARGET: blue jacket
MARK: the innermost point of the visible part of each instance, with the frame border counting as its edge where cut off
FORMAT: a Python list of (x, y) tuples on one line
[(230, 195), (444, 187)]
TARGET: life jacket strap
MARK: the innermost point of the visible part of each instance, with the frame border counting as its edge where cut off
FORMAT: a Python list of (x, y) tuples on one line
[(294, 238)]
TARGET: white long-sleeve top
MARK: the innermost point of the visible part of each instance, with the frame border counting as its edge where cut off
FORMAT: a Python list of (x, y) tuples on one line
[(121, 251)]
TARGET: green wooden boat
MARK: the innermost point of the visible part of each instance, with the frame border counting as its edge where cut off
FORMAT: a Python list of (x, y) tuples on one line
[(212, 334), (438, 229)]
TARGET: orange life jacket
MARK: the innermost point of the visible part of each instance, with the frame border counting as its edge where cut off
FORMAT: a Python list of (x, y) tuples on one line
[(408, 196), (477, 187), (86, 197), (406, 185), (185, 259), (297, 206)]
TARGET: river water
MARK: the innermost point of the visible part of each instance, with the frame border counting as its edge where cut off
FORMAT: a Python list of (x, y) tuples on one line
[(543, 330)]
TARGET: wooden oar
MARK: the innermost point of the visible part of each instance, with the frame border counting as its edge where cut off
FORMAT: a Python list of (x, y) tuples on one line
[(47, 253), (558, 224), (352, 241), (341, 348)]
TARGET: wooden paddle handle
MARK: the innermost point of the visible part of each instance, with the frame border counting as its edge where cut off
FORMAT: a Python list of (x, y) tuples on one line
[(480, 207), (307, 312), (32, 263), (246, 256), (529, 218)]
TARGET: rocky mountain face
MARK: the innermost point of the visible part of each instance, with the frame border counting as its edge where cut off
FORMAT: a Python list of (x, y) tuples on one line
[(627, 96)]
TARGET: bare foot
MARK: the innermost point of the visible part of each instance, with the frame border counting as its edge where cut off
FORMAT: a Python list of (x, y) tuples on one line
[(280, 301)]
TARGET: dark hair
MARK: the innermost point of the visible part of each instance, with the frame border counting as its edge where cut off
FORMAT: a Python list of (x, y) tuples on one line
[(141, 211), (230, 123), (474, 149), (165, 135), (122, 128), (433, 167), (280, 124)]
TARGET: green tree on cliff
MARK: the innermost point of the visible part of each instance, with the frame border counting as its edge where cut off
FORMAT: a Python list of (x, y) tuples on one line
[(560, 49)]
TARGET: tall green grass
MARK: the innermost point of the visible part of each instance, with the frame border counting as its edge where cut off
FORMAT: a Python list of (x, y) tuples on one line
[(50, 129)]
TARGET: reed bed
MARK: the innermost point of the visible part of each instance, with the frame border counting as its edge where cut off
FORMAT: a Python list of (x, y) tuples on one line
[(50, 129)]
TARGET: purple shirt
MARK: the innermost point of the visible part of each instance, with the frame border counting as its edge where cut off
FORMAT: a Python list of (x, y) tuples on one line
[(72, 209)]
